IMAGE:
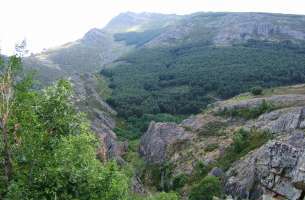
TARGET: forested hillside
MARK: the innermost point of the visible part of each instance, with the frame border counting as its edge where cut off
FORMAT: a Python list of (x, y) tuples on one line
[(184, 79)]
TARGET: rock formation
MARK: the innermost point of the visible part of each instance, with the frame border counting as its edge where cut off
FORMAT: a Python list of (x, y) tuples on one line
[(160, 139), (88, 100), (274, 170)]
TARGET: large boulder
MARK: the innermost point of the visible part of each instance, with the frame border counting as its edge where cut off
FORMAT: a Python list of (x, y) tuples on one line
[(274, 170), (160, 140)]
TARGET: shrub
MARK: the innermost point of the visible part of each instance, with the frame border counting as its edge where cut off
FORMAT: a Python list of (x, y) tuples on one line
[(240, 140), (209, 187), (179, 181), (200, 171), (257, 91)]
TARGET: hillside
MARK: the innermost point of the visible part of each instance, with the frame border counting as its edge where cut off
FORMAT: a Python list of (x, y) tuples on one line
[(96, 49), (253, 144), (182, 67)]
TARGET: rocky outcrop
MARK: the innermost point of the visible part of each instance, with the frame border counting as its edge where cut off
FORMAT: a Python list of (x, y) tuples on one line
[(276, 170), (161, 139), (281, 121), (88, 100), (201, 121), (276, 100)]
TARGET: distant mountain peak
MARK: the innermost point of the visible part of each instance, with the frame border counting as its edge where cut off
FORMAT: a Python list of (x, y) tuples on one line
[(94, 35)]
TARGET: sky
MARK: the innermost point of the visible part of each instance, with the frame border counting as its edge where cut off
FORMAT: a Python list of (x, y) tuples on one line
[(50, 23)]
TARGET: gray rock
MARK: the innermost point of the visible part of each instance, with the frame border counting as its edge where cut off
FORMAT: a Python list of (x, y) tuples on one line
[(275, 169), (89, 101), (276, 100), (160, 140), (281, 121), (217, 172)]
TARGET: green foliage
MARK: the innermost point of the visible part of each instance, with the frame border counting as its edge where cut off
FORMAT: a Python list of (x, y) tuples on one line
[(164, 196), (244, 142), (240, 140), (199, 172), (185, 78), (249, 113), (53, 150), (179, 181), (209, 187), (55, 110), (257, 91)]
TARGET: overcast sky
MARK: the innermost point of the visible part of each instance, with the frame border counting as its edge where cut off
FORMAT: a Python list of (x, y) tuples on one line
[(49, 23)]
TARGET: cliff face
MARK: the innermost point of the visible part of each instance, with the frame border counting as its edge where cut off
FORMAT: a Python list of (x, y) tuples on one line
[(274, 170), (89, 99), (159, 139)]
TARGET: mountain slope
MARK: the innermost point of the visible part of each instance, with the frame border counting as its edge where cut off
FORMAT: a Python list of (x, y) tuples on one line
[(197, 58), (128, 31), (229, 28), (185, 78), (226, 142), (96, 49)]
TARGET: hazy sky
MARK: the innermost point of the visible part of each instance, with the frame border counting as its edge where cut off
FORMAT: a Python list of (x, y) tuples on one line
[(48, 23)]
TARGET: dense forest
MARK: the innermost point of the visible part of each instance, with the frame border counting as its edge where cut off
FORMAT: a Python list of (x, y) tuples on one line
[(183, 80)]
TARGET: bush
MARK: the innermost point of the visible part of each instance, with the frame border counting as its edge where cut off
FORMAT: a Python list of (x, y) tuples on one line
[(209, 187), (179, 181), (200, 171), (257, 91), (240, 140)]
